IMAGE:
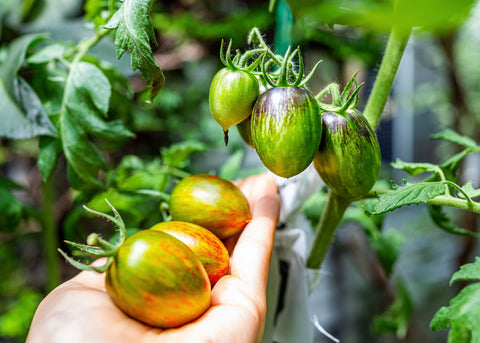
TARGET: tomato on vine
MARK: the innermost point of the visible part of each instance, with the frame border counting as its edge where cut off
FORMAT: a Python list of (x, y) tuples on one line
[(233, 91), (285, 120), (348, 158)]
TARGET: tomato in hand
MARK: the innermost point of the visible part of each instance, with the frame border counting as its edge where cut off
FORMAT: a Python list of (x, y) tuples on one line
[(211, 202), (208, 247), (158, 280)]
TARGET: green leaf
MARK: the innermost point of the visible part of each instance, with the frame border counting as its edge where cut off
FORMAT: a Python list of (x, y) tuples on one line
[(136, 208), (177, 155), (48, 53), (408, 195), (229, 169), (415, 168), (467, 272), (462, 314), (23, 117), (471, 192), (16, 321), (452, 136), (396, 319), (15, 59), (50, 151), (86, 100), (441, 219), (11, 210), (134, 33), (22, 112)]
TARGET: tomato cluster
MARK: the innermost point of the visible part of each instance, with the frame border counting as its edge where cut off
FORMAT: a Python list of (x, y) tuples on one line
[(289, 127), (162, 276)]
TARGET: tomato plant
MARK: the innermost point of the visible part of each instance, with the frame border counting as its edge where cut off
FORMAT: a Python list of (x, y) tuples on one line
[(151, 275), (208, 247), (211, 202)]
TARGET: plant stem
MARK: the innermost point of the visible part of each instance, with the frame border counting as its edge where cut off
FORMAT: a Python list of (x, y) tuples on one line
[(331, 217), (462, 204), (396, 44), (50, 239)]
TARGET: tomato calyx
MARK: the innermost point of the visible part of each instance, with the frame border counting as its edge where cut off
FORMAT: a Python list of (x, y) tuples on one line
[(344, 102), (96, 246), (286, 75), (239, 61)]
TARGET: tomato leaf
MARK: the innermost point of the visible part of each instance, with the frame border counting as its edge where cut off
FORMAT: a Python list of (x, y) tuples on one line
[(177, 155), (471, 192), (396, 319), (452, 136), (441, 219), (462, 314), (86, 100), (22, 112), (415, 168), (11, 210), (412, 194), (134, 33), (50, 151)]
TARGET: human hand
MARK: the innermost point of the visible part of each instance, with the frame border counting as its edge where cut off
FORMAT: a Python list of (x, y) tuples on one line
[(80, 309)]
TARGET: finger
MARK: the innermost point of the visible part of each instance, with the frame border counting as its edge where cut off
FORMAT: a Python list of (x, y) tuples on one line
[(251, 255), (258, 186)]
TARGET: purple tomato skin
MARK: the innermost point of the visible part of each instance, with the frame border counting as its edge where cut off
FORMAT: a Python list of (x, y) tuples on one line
[(157, 280), (211, 202), (209, 249)]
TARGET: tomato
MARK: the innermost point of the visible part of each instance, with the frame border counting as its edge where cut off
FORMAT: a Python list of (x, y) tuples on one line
[(208, 247), (211, 202), (286, 129), (245, 130), (231, 96), (348, 158), (158, 280)]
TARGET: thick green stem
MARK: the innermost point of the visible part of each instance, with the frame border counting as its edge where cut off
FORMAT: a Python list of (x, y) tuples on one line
[(396, 44), (331, 217), (50, 239)]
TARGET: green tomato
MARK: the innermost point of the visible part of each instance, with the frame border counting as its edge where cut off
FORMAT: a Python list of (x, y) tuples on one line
[(286, 129), (348, 158), (232, 95)]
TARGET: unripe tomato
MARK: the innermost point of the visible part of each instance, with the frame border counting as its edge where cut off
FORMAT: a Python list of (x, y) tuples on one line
[(286, 129), (348, 158), (158, 280), (232, 95), (245, 130), (212, 202), (208, 247)]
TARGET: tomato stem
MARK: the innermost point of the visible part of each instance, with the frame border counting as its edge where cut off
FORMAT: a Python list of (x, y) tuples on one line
[(331, 217), (396, 44)]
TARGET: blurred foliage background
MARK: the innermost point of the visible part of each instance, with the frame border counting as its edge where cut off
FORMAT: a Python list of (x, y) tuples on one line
[(442, 59)]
